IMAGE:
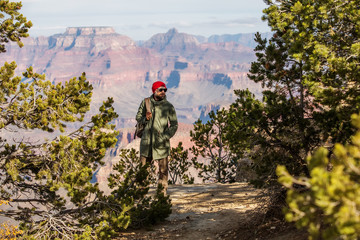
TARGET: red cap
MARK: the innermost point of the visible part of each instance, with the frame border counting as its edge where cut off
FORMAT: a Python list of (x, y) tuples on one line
[(157, 84)]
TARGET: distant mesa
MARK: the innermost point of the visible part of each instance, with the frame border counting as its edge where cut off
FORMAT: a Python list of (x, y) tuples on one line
[(172, 40), (94, 39), (89, 31)]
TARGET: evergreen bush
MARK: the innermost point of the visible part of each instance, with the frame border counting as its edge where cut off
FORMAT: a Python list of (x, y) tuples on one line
[(328, 202)]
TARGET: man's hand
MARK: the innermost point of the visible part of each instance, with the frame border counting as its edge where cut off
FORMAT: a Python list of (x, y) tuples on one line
[(148, 115)]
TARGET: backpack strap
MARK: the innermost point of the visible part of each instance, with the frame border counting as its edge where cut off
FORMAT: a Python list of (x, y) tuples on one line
[(147, 104)]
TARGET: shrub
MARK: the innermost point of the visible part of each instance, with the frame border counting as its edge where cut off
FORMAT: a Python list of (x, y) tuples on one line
[(327, 203)]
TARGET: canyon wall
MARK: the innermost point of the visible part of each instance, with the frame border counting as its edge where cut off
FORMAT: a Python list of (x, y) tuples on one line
[(201, 74)]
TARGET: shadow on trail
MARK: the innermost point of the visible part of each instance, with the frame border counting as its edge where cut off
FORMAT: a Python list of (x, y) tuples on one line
[(203, 211)]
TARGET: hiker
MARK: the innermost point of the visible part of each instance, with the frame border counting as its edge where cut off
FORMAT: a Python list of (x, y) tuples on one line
[(161, 125)]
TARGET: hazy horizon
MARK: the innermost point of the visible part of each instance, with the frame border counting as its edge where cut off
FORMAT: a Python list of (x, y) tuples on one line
[(143, 40), (141, 19)]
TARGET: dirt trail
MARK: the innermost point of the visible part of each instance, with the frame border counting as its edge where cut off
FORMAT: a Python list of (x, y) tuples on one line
[(203, 211)]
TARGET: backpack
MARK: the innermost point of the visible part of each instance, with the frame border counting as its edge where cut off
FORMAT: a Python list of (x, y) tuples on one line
[(139, 127)]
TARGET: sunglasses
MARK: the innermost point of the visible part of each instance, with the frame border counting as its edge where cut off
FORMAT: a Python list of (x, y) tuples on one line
[(162, 89)]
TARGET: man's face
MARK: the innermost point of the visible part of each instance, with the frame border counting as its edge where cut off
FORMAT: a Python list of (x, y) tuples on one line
[(160, 93)]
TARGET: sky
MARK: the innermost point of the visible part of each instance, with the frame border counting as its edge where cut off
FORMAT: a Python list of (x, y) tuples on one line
[(141, 19)]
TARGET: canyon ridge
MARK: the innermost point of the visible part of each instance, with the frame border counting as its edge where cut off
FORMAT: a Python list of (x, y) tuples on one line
[(201, 73)]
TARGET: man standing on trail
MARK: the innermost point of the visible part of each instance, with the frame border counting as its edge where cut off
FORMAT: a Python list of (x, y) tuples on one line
[(161, 125)]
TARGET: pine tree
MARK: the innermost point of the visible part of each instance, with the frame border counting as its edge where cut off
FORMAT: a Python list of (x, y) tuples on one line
[(179, 166), (310, 71), (14, 25), (219, 163), (323, 36), (8, 231), (281, 127), (49, 180), (130, 184), (327, 203)]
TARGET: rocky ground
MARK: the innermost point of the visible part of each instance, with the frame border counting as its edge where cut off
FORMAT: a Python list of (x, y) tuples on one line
[(217, 211)]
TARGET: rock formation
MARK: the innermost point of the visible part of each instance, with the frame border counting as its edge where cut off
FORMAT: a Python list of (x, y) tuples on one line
[(200, 75), (197, 74)]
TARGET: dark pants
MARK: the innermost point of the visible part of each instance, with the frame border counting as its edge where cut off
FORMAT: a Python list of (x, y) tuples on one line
[(163, 170)]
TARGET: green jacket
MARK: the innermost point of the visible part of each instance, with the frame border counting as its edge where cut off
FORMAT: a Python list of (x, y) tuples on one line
[(159, 129)]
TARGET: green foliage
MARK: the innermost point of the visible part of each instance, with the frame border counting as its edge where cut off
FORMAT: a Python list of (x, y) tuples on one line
[(210, 143), (324, 37), (48, 180), (270, 132), (56, 173), (179, 165), (286, 127), (310, 71), (41, 104), (14, 25), (327, 203), (131, 187)]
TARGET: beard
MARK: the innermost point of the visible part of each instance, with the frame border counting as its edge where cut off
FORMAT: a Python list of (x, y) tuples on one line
[(159, 96)]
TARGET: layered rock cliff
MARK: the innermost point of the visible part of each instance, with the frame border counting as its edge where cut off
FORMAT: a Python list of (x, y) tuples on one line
[(197, 74), (200, 75)]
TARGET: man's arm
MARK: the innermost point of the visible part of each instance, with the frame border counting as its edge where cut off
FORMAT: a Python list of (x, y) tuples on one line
[(173, 123)]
